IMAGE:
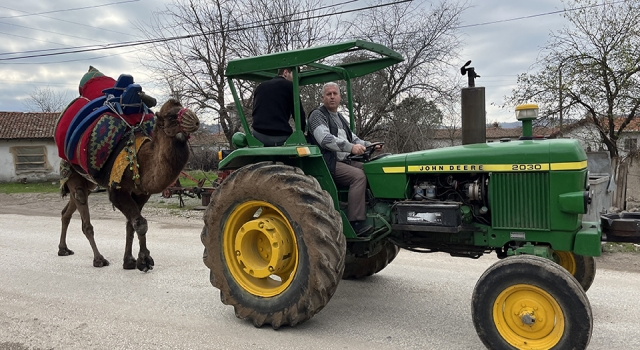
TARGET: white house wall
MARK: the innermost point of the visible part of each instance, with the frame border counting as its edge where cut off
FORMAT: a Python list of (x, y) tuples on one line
[(8, 169)]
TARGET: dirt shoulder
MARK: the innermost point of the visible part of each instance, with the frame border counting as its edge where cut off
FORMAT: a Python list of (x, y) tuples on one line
[(51, 204)]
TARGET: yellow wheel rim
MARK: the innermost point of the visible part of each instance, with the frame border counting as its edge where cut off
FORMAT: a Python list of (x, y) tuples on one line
[(566, 260), (260, 248), (527, 317)]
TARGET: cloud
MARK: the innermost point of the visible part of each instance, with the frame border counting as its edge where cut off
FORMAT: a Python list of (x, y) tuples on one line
[(21, 35), (499, 51)]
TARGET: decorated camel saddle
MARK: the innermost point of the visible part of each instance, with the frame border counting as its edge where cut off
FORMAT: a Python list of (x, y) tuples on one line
[(99, 132)]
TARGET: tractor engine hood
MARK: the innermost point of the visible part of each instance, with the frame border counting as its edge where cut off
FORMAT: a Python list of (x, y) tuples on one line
[(527, 155)]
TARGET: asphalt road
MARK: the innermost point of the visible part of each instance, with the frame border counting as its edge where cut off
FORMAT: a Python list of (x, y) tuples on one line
[(420, 301)]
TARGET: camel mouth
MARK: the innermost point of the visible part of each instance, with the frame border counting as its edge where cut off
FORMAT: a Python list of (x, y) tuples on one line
[(190, 122), (182, 136)]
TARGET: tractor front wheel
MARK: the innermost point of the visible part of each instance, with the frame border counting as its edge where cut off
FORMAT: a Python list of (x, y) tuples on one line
[(527, 302), (274, 244)]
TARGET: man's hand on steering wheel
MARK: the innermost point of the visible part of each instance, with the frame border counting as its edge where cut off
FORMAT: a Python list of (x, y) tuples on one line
[(376, 146), (365, 153), (358, 149)]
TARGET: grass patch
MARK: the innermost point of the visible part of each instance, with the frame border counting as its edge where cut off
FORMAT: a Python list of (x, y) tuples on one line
[(613, 247), (209, 177), (36, 187)]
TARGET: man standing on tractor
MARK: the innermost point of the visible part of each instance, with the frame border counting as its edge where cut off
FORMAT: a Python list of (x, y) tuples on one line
[(273, 107), (331, 133)]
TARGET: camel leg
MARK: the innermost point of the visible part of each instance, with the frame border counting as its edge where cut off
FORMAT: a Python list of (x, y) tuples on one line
[(131, 205), (129, 261), (79, 193), (145, 261), (67, 212)]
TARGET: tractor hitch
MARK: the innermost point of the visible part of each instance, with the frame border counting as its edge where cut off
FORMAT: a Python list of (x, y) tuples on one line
[(621, 227)]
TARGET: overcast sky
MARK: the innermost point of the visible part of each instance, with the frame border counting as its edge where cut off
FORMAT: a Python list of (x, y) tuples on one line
[(499, 51)]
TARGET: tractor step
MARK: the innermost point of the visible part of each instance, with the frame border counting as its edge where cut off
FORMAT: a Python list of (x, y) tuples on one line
[(621, 227)]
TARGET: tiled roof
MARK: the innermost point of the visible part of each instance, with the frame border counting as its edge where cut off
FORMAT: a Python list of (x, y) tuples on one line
[(19, 125), (633, 126), (495, 133)]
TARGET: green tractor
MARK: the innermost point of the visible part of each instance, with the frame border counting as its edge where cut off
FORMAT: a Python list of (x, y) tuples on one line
[(277, 240)]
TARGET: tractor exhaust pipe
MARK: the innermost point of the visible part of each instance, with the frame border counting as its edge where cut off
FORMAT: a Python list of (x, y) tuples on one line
[(474, 115)]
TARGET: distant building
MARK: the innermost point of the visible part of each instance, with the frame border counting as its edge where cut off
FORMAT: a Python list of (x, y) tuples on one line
[(28, 151), (453, 137), (589, 136)]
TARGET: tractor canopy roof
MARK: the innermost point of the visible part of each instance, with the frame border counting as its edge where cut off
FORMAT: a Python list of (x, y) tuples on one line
[(370, 58), (341, 61)]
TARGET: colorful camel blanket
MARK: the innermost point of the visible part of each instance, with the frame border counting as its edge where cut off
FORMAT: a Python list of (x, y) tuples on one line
[(106, 118), (126, 158), (105, 136)]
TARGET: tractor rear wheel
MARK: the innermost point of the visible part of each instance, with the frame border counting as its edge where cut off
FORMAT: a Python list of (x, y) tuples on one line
[(274, 244), (357, 267), (583, 268), (527, 302)]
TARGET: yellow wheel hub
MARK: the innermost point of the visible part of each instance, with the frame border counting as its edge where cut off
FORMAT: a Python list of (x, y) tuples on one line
[(566, 260), (260, 248), (527, 317)]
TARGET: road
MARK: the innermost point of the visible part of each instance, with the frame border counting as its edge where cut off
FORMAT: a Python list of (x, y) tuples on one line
[(420, 301)]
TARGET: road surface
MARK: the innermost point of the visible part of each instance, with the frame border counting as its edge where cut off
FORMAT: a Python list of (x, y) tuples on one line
[(420, 301)]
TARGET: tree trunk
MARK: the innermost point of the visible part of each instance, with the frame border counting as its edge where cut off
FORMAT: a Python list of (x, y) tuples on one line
[(620, 169)]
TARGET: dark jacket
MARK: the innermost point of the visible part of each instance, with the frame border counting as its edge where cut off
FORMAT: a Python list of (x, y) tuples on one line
[(273, 107)]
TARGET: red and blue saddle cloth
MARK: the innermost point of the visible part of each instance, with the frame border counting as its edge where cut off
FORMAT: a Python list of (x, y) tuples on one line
[(96, 126)]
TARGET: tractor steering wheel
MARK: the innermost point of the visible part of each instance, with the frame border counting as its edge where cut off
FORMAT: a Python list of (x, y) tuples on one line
[(368, 152)]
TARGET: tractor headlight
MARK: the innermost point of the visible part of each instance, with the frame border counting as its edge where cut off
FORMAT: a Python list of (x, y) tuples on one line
[(575, 202)]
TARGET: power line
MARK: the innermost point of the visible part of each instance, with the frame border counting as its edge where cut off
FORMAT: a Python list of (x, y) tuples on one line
[(49, 31), (26, 37), (15, 82), (64, 20), (189, 36), (93, 46), (71, 9), (538, 15), (74, 60), (519, 18)]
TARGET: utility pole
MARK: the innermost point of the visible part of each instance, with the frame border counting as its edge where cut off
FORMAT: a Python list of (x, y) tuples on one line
[(560, 95)]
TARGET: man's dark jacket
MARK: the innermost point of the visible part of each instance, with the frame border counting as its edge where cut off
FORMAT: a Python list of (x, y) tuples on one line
[(273, 107)]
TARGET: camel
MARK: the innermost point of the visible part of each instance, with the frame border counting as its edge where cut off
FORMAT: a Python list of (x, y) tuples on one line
[(160, 161)]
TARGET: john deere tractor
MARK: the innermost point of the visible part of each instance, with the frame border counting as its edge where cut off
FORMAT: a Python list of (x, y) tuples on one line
[(277, 240)]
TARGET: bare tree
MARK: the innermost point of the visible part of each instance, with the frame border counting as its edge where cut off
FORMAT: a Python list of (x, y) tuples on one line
[(216, 31), (425, 34), (413, 125), (45, 99), (589, 69), (451, 127), (282, 25), (195, 65), (272, 26)]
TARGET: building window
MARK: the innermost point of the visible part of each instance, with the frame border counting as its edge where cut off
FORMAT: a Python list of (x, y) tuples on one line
[(30, 158), (630, 144)]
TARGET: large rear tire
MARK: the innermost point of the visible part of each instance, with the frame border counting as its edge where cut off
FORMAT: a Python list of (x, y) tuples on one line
[(357, 267), (274, 244), (528, 302), (583, 268)]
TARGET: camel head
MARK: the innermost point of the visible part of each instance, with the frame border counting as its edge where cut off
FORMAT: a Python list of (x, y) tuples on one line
[(177, 121)]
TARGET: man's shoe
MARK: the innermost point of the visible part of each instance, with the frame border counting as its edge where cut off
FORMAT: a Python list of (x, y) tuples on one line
[(361, 227)]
